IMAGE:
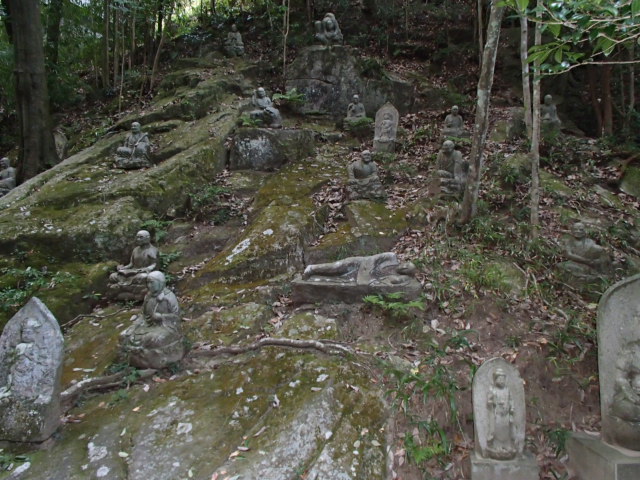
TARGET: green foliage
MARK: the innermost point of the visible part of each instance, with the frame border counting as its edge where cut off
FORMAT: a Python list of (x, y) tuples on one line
[(437, 444), (8, 460), (246, 121), (392, 305), (22, 284), (558, 439), (210, 203), (167, 258), (157, 228), (293, 96)]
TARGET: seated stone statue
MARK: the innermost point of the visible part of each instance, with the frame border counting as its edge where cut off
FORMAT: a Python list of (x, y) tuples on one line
[(625, 403), (233, 45), (587, 260), (364, 182), (454, 125), (7, 177), (155, 338), (549, 114), (128, 282), (355, 110), (265, 111), (327, 31), (452, 170), (135, 151)]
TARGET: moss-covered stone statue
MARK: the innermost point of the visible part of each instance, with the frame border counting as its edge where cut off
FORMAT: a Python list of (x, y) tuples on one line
[(549, 115), (128, 282), (7, 176), (364, 182), (135, 151), (452, 170), (454, 124), (233, 45), (587, 261), (327, 30), (264, 111), (155, 338)]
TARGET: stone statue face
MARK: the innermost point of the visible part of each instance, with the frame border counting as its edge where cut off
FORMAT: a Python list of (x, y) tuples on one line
[(156, 282), (366, 156), (548, 99), (135, 127), (356, 99), (4, 163), (447, 147), (499, 379), (577, 230), (234, 28), (261, 92), (454, 109), (407, 268), (143, 238), (328, 23)]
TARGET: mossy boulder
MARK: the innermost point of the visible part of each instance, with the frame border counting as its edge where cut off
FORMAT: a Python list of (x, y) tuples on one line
[(630, 183), (268, 149)]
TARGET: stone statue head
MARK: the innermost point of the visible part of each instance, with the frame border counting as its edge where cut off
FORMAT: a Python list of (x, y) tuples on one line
[(261, 92), (455, 109), (407, 268), (156, 282), (135, 127), (356, 98), (366, 156), (143, 237), (234, 28), (499, 378), (548, 99), (29, 331), (448, 146), (578, 230), (329, 21), (4, 163)]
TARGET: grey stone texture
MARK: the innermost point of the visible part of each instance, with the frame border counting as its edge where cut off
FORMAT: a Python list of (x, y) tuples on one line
[(619, 363), (386, 129), (523, 468), (7, 176), (266, 149), (31, 355), (592, 459)]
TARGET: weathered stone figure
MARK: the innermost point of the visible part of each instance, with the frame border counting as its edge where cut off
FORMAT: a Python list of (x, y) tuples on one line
[(384, 139), (135, 151), (454, 124), (355, 110), (327, 30), (626, 399), (265, 111), (128, 282), (499, 424), (233, 45), (155, 338), (7, 176), (549, 114), (587, 260), (364, 182), (452, 169), (31, 355)]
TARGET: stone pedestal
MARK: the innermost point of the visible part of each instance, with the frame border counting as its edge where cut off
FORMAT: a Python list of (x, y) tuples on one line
[(522, 468), (314, 291), (380, 146), (592, 459)]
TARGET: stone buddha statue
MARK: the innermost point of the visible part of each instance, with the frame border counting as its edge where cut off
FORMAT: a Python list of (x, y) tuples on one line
[(549, 114), (7, 176), (264, 110), (355, 110), (454, 124), (233, 45), (128, 282), (364, 182), (452, 170), (501, 429), (586, 259), (135, 151), (327, 30), (155, 338)]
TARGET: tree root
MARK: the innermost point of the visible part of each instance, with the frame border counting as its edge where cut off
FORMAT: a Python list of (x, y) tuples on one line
[(323, 346)]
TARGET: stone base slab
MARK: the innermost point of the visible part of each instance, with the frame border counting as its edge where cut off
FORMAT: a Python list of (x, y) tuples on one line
[(592, 459), (523, 468), (311, 291)]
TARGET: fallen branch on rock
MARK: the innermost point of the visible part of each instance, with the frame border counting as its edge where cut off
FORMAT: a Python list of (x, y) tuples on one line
[(328, 347), (75, 320)]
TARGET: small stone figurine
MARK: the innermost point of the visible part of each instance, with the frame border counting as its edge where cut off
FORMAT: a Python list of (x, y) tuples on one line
[(7, 176), (128, 282), (265, 112), (364, 182), (233, 45), (327, 30), (135, 151)]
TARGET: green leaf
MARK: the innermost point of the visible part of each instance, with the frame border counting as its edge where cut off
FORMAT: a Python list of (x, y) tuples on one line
[(554, 28), (557, 56), (635, 7)]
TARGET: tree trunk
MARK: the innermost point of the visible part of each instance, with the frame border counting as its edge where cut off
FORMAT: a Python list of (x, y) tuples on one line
[(534, 153), (105, 46), (526, 88), (607, 101), (468, 209), (593, 94), (53, 30), (37, 148), (480, 14), (156, 60), (285, 35)]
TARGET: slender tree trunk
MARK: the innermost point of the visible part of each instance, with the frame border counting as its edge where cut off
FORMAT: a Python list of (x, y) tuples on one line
[(480, 31), (534, 153), (593, 94), (632, 89), (116, 50), (53, 30), (526, 87), (105, 46), (468, 209), (607, 101), (156, 60), (285, 35), (37, 148)]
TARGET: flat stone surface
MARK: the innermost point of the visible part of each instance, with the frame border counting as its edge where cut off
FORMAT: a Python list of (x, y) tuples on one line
[(267, 149), (618, 327), (31, 350), (524, 468), (592, 459)]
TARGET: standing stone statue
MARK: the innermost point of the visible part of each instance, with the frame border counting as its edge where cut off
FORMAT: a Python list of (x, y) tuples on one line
[(355, 110), (265, 112), (7, 176), (587, 261), (348, 280), (452, 169), (135, 151), (31, 355), (364, 182), (155, 338), (454, 124), (592, 457), (233, 45), (386, 129), (327, 30), (499, 422), (549, 114), (128, 282)]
